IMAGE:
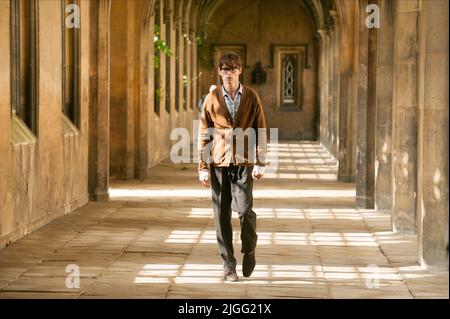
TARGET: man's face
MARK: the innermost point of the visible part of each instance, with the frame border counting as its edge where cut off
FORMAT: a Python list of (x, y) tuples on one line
[(230, 75)]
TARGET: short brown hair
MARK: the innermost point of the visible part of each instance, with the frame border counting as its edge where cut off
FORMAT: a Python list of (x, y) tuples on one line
[(230, 60)]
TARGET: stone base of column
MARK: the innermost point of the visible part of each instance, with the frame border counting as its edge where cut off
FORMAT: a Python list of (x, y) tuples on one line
[(435, 265), (364, 202), (403, 224), (99, 197), (344, 178)]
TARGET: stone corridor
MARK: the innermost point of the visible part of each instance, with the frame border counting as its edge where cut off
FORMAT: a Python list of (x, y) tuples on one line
[(156, 239)]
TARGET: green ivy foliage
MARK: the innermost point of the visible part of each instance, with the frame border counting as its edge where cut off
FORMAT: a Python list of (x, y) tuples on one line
[(160, 47), (205, 53)]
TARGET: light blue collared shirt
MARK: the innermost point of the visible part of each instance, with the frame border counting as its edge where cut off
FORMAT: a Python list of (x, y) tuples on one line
[(233, 105)]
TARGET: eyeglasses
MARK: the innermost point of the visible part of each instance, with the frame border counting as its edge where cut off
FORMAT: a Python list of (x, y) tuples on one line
[(232, 70)]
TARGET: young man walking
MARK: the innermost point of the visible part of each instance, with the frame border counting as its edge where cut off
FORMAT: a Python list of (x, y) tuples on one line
[(228, 111)]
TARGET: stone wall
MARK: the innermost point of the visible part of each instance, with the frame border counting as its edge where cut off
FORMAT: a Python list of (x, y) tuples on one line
[(48, 178)]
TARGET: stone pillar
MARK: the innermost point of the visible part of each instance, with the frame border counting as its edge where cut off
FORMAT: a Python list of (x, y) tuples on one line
[(317, 98), (385, 71), (331, 93), (185, 48), (132, 37), (366, 114), (404, 121), (371, 117), (320, 49), (168, 59), (327, 90), (178, 62), (146, 87), (335, 85), (347, 97), (194, 71), (200, 80), (324, 93), (122, 105), (433, 133), (99, 101), (188, 68)]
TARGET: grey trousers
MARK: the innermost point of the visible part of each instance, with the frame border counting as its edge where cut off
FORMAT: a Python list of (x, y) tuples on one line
[(232, 189)]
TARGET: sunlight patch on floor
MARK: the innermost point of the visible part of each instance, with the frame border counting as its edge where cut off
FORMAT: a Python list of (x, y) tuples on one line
[(280, 274), (118, 193)]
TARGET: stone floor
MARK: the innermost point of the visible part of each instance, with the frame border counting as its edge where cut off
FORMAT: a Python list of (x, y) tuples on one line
[(156, 239)]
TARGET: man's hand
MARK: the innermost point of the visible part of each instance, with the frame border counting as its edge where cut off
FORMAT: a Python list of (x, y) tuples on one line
[(203, 177), (258, 172)]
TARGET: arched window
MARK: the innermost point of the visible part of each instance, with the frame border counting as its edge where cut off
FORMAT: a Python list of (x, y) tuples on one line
[(289, 61), (71, 60), (24, 75), (289, 79)]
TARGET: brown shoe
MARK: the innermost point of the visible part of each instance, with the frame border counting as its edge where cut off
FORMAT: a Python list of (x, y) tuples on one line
[(231, 276), (248, 264)]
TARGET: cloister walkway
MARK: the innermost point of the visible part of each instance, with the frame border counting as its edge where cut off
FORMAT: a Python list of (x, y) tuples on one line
[(156, 239)]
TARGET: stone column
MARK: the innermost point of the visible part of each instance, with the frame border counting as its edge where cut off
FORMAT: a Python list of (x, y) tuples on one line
[(327, 89), (331, 93), (188, 68), (335, 85), (185, 64), (146, 87), (324, 93), (371, 114), (320, 72), (99, 101), (168, 59), (123, 39), (347, 97), (385, 71), (194, 71), (365, 114), (361, 124), (404, 121), (433, 133), (317, 98), (178, 61), (132, 38)]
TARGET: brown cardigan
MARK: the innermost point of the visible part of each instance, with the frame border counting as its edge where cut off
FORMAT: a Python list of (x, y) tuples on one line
[(217, 119)]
